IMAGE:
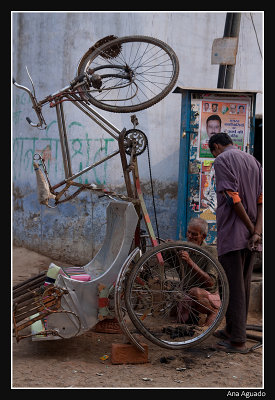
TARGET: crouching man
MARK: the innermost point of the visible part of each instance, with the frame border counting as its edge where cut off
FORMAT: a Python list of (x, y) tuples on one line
[(203, 296)]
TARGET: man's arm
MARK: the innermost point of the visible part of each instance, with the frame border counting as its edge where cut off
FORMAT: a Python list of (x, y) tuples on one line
[(202, 275), (259, 222), (256, 237), (255, 230), (240, 211), (225, 178)]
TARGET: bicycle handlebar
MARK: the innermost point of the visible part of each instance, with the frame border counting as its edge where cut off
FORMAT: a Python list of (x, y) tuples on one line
[(91, 78), (36, 107)]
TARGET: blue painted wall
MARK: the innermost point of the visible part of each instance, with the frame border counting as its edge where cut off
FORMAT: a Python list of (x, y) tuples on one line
[(51, 44)]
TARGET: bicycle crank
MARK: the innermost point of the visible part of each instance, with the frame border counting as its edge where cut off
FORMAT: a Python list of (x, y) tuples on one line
[(135, 138)]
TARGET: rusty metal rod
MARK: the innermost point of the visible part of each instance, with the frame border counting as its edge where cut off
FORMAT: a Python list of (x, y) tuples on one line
[(31, 282), (25, 296), (32, 289), (21, 307), (28, 286), (35, 310), (95, 117), (31, 321), (28, 280), (18, 306), (28, 312), (31, 303), (124, 164)]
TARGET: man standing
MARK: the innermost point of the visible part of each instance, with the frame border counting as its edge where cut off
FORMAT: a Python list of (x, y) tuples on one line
[(239, 230)]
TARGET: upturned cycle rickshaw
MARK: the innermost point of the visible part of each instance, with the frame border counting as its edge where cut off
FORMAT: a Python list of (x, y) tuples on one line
[(150, 284)]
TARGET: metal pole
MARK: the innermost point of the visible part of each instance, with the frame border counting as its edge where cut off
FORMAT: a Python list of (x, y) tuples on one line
[(96, 114), (62, 138), (65, 140)]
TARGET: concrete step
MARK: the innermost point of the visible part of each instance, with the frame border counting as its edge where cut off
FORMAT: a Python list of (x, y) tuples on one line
[(255, 301)]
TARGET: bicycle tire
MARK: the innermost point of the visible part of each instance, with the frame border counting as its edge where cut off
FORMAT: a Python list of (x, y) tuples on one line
[(163, 85), (146, 242), (152, 316)]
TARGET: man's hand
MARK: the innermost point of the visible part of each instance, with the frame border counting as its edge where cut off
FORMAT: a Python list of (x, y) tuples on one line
[(255, 242), (185, 256), (202, 276)]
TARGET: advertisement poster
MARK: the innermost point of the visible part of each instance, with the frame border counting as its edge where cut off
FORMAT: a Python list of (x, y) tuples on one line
[(208, 202), (217, 116)]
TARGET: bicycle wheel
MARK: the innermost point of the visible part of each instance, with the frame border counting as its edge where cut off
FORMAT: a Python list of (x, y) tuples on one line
[(135, 71), (165, 298), (146, 242)]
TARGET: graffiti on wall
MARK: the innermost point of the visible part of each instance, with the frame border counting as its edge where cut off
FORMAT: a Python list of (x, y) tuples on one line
[(84, 150), (24, 149)]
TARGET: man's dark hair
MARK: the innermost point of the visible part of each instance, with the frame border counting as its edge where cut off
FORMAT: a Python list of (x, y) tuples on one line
[(214, 117), (219, 138)]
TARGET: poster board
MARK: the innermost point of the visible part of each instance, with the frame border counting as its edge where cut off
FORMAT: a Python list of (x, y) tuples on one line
[(196, 182), (222, 115), (217, 115)]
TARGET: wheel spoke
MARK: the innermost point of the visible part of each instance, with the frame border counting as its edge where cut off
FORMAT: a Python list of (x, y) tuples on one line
[(150, 67), (171, 308)]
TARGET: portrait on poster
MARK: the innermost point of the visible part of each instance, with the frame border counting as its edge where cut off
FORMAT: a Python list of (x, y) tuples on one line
[(229, 116)]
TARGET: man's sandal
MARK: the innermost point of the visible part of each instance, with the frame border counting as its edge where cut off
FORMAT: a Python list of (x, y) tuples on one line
[(229, 348), (220, 334)]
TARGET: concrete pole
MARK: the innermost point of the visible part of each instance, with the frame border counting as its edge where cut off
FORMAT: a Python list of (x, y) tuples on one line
[(230, 71), (231, 29), (226, 33)]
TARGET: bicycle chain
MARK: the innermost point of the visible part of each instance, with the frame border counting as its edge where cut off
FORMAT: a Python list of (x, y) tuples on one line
[(134, 121), (152, 189)]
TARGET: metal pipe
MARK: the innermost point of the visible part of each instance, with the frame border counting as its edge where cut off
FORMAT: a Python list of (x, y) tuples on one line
[(35, 309), (23, 297), (29, 280), (125, 165), (90, 111), (25, 303), (29, 286), (91, 166), (65, 140), (27, 323), (61, 135)]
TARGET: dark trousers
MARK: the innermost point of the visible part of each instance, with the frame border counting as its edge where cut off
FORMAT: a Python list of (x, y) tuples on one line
[(238, 266)]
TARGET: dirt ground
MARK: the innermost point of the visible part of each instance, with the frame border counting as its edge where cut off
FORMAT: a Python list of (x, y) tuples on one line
[(76, 363)]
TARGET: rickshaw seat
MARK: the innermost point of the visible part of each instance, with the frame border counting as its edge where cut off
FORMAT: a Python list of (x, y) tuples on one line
[(103, 269)]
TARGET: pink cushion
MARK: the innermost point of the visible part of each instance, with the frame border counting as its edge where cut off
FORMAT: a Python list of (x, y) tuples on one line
[(83, 277)]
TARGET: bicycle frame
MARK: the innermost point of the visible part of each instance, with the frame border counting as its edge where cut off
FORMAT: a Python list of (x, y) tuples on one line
[(122, 226), (134, 193)]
